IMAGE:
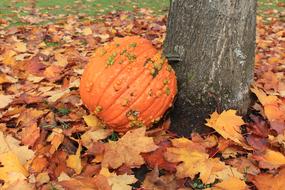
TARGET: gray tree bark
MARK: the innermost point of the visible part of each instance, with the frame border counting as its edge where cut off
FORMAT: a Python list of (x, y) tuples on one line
[(211, 46)]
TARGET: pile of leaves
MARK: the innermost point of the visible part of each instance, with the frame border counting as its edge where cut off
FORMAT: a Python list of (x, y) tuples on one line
[(49, 140)]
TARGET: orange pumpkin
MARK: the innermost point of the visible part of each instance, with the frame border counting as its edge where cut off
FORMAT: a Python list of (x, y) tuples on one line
[(128, 83)]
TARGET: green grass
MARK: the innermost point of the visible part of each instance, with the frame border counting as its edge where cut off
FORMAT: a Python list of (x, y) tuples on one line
[(14, 9)]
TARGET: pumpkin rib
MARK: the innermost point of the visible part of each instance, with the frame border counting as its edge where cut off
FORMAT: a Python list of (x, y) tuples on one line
[(99, 80), (121, 118), (116, 104), (110, 85), (163, 106), (91, 73), (153, 107), (110, 117), (150, 87)]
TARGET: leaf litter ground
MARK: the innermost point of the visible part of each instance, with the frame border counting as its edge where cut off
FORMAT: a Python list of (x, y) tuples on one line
[(49, 140)]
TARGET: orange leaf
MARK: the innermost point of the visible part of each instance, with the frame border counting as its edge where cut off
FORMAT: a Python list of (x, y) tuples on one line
[(269, 181)]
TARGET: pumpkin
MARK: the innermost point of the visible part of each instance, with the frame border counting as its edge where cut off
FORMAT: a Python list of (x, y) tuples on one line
[(128, 83)]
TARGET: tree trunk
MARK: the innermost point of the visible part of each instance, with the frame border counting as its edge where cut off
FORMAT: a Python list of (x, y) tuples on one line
[(211, 46)]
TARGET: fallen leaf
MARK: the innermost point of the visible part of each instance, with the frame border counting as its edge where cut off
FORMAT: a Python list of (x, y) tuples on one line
[(87, 31), (74, 161), (92, 121), (269, 181), (154, 181), (20, 47), (271, 158), (230, 184), (228, 125), (56, 138), (5, 100), (10, 164), (118, 182), (86, 183), (127, 149), (90, 137), (10, 144), (193, 160)]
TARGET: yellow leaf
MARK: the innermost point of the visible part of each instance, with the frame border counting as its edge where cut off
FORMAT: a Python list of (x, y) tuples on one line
[(20, 47), (10, 144), (92, 121), (8, 57), (193, 160), (228, 125), (230, 184), (74, 161), (10, 164), (275, 158), (87, 31), (127, 150)]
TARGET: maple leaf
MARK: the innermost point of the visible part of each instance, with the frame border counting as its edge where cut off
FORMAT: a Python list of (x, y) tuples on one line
[(269, 181), (127, 149), (118, 182), (228, 125), (194, 160), (74, 161), (12, 158)]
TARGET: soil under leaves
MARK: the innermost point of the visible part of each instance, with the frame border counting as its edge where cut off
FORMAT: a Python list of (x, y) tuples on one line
[(49, 140)]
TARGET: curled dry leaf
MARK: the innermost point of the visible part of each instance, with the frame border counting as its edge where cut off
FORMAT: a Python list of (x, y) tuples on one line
[(127, 150)]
